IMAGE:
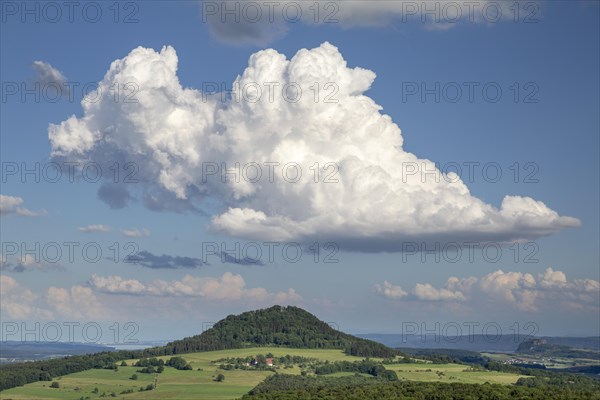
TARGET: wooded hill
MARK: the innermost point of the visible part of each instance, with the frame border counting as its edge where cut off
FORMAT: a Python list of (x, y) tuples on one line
[(278, 326), (274, 326)]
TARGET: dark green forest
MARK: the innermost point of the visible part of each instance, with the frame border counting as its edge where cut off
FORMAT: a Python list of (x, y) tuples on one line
[(293, 387)]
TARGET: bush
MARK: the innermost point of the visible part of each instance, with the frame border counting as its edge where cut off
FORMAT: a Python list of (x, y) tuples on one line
[(220, 378), (55, 385), (179, 363), (134, 377)]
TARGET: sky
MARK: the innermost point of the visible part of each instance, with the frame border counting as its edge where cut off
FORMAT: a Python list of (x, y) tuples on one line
[(383, 165)]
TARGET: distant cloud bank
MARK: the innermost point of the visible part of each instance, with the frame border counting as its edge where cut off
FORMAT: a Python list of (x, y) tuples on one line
[(519, 290)]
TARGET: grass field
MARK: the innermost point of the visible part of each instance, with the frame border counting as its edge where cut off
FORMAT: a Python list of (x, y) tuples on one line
[(194, 384), (450, 373)]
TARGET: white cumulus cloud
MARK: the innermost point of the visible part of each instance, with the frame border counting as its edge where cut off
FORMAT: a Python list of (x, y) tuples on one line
[(173, 133), (76, 302), (12, 205), (135, 232), (517, 289), (390, 291), (228, 287), (19, 302), (428, 292), (47, 74), (94, 228)]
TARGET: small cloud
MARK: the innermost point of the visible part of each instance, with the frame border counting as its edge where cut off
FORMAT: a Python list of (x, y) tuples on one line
[(390, 291), (136, 232), (48, 75), (12, 205), (27, 263), (428, 292), (94, 228), (146, 259), (229, 259)]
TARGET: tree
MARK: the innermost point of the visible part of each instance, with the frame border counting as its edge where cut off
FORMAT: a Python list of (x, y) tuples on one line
[(220, 378), (123, 363), (178, 363), (261, 359), (134, 377), (55, 385)]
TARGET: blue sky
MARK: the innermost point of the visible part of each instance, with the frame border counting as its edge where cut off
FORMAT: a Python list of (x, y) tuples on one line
[(373, 287)]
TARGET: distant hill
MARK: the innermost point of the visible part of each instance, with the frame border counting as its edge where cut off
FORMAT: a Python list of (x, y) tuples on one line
[(278, 326), (590, 343), (15, 351), (543, 348), (505, 343), (480, 343)]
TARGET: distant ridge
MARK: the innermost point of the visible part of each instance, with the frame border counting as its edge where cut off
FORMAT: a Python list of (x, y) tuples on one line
[(506, 343), (16, 351)]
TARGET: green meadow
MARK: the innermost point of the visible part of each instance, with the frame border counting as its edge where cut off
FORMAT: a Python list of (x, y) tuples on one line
[(199, 383), (450, 373)]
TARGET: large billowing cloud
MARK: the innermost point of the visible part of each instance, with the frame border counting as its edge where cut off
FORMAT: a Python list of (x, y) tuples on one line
[(258, 23), (373, 197), (517, 289)]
